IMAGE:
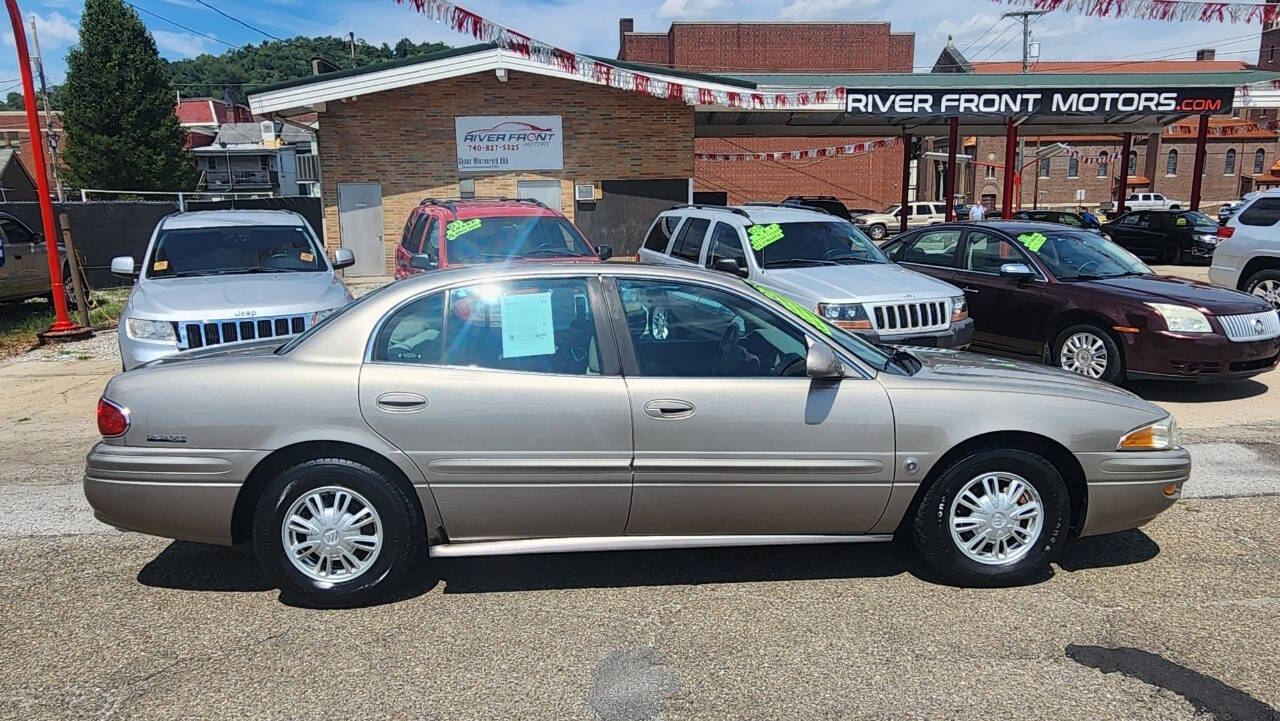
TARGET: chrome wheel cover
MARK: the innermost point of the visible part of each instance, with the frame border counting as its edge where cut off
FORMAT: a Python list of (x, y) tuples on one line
[(996, 518), (332, 534), (659, 324), (1268, 290), (1084, 353)]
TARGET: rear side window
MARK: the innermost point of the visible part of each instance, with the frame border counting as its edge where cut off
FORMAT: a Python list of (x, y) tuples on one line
[(689, 243), (660, 233), (936, 248), (413, 334), (1263, 211)]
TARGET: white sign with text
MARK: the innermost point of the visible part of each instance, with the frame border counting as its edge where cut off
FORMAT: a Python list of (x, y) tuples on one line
[(489, 143)]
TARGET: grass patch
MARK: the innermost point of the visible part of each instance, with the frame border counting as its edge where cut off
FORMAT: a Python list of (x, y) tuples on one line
[(20, 322)]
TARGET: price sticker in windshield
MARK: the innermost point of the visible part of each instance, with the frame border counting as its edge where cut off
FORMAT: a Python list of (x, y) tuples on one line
[(763, 235), (458, 227), (1033, 241), (802, 312)]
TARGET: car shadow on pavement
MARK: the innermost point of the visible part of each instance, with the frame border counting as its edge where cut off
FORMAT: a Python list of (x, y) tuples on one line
[(187, 566), (1124, 548), (1206, 694), (1181, 392)]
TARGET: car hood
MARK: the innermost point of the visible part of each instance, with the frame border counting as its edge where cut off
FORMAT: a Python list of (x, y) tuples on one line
[(856, 283), (870, 218), (229, 296), (975, 371), (1167, 289), (264, 346)]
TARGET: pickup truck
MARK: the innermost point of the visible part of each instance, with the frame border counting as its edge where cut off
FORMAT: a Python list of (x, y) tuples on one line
[(1150, 201)]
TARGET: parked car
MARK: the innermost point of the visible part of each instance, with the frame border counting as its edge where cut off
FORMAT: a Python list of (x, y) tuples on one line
[(550, 408), (827, 203), (1248, 253), (443, 233), (1167, 236), (1226, 210), (1078, 301), (1061, 217), (24, 263), (823, 262), (879, 225), (224, 277), (1151, 201)]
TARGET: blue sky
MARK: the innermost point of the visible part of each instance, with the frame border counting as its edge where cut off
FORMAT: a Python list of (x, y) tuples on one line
[(592, 25)]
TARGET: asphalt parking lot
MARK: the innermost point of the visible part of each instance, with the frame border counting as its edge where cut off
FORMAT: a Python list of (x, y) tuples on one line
[(1172, 621)]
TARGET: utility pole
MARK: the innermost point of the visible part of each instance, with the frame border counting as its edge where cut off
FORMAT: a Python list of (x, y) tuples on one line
[(1025, 16), (352, 37), (48, 113)]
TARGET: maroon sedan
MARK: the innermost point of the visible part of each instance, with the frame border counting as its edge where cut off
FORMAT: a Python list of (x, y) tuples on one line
[(1076, 300)]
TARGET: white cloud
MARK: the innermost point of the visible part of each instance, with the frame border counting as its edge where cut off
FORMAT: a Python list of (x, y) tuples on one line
[(55, 31), (829, 9), (184, 44), (690, 8)]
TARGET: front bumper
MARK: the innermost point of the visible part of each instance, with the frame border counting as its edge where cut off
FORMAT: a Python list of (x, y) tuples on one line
[(958, 336), (134, 352), (1208, 357), (1127, 488), (1201, 249)]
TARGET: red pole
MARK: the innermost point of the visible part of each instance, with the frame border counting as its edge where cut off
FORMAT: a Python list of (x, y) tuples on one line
[(62, 322), (1124, 173), (906, 179), (1197, 173), (1010, 166), (950, 184)]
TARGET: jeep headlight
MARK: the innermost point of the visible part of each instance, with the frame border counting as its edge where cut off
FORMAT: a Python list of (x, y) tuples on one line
[(1181, 318), (320, 315), (142, 329), (850, 316), (1158, 436), (959, 308)]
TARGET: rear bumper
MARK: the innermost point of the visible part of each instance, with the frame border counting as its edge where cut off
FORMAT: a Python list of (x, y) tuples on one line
[(1126, 488), (959, 336), (1161, 355)]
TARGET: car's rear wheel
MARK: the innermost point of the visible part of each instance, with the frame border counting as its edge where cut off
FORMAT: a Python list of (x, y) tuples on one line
[(1266, 285), (1089, 351), (996, 517), (877, 231), (334, 533)]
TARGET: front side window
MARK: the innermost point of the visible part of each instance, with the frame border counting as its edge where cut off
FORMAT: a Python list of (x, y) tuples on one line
[(16, 232), (689, 243), (500, 238), (1080, 255), (936, 248), (431, 243), (660, 234), (985, 253), (234, 249), (783, 245), (1071, 219), (725, 245), (413, 239)]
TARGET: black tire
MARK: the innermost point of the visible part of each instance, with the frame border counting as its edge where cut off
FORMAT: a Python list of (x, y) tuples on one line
[(1114, 369), (932, 523), (402, 527), (1257, 279), (877, 231), (1170, 253), (68, 291)]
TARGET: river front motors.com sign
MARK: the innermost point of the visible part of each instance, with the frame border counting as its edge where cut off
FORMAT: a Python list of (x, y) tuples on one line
[(496, 143), (949, 103)]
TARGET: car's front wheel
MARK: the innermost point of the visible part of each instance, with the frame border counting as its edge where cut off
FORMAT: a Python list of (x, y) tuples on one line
[(1089, 351), (1266, 285), (996, 517), (877, 231), (334, 533)]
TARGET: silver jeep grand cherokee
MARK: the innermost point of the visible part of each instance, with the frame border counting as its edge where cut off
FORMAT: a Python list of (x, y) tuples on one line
[(211, 278)]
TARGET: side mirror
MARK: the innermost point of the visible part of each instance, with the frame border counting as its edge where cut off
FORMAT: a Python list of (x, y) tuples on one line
[(822, 362), (729, 265), (123, 265), (1019, 271), (604, 251), (423, 261), (343, 258)]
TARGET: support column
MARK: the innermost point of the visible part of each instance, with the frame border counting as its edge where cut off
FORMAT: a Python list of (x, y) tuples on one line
[(1123, 190), (1197, 173), (950, 183), (1010, 167), (906, 180)]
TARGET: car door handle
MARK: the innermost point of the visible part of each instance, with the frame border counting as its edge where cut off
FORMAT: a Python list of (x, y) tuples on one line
[(401, 402), (970, 290), (668, 409)]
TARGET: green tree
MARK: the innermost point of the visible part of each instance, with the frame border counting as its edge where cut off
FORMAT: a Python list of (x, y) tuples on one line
[(118, 108)]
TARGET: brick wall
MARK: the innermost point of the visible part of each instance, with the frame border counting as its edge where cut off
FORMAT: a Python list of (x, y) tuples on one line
[(404, 139), (871, 180)]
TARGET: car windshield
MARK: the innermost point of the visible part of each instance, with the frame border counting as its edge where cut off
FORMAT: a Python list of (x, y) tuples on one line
[(866, 352), (234, 249), (779, 245), (495, 239), (1081, 255), (1197, 220)]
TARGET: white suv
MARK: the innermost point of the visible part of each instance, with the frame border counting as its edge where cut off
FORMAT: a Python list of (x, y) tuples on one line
[(1248, 255), (879, 225), (822, 262)]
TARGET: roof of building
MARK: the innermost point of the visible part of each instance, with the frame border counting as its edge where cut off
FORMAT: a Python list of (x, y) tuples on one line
[(8, 156), (925, 81), (1114, 66), (237, 134)]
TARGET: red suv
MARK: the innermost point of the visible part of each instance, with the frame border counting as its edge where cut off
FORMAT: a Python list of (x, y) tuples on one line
[(444, 233)]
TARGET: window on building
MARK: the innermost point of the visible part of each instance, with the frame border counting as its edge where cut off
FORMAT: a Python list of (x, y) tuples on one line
[(1271, 54), (1171, 164), (1229, 165), (990, 172), (1073, 167), (1133, 162), (1102, 164), (1259, 160), (1044, 167)]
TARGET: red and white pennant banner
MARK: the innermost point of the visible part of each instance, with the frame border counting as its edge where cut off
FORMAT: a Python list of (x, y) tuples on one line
[(860, 148), (1166, 10), (1225, 130), (691, 92)]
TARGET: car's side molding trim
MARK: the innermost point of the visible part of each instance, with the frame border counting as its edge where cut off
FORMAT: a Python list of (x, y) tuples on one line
[(638, 543)]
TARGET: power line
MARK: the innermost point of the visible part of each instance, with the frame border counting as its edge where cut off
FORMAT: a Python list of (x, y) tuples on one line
[(970, 44), (256, 29), (180, 25)]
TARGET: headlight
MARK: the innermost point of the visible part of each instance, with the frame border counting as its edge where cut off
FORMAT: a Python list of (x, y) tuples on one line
[(850, 316), (1157, 436), (150, 329), (1210, 238), (1182, 319), (320, 315), (959, 308)]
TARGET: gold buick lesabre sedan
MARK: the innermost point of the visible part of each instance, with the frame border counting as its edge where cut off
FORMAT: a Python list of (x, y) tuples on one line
[(552, 408)]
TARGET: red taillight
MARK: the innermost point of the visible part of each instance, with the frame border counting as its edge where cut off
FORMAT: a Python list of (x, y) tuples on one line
[(112, 419), (1225, 231)]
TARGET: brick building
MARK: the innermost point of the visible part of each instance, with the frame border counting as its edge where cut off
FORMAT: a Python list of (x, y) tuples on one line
[(727, 48)]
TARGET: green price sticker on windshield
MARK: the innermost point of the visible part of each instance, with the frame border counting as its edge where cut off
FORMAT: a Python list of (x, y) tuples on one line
[(1033, 241), (458, 227), (763, 235), (804, 313)]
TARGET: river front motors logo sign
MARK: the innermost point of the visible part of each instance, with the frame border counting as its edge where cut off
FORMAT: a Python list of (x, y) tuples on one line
[(948, 103), (499, 143)]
